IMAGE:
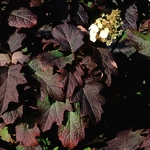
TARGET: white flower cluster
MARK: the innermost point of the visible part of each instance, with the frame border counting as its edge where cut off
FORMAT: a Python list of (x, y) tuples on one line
[(106, 28)]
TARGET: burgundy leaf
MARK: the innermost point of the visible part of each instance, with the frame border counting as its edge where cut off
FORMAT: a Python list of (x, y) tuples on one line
[(15, 41), (126, 140), (81, 16), (144, 27), (22, 18), (72, 131), (27, 135), (51, 112), (110, 66), (131, 18), (89, 63), (4, 59), (48, 42), (90, 100), (8, 90), (47, 80), (55, 58), (11, 116), (69, 37), (69, 80), (35, 3), (19, 57)]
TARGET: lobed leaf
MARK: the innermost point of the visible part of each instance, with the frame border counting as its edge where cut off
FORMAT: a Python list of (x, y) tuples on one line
[(22, 18), (27, 135), (19, 57), (4, 59), (73, 131), (51, 112), (8, 91), (69, 37), (5, 136), (127, 139), (47, 79), (15, 41), (90, 100), (11, 116), (68, 80), (109, 64), (55, 58)]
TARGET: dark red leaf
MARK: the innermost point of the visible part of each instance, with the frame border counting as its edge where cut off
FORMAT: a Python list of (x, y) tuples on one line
[(15, 41), (22, 18), (27, 135), (35, 3), (69, 37), (72, 131), (55, 58), (51, 112), (81, 16), (47, 79), (90, 100), (8, 90), (69, 80), (11, 116), (110, 66), (126, 140)]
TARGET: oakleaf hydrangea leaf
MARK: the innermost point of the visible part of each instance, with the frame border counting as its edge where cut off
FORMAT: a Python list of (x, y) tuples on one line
[(22, 18), (27, 135), (81, 16), (68, 80), (55, 58), (69, 37), (90, 99), (11, 116), (108, 63), (140, 41), (4, 59), (131, 18), (5, 136), (51, 112), (126, 140), (15, 41), (19, 57), (72, 131), (8, 90), (47, 79)]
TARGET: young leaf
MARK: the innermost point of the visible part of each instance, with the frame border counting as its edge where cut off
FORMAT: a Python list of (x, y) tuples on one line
[(69, 37), (35, 3), (69, 80), (22, 18), (81, 16), (90, 100), (15, 41), (73, 131), (140, 41), (126, 140), (4, 59), (19, 57), (11, 116), (47, 79), (51, 112), (55, 58), (27, 135), (8, 91), (108, 63), (5, 136)]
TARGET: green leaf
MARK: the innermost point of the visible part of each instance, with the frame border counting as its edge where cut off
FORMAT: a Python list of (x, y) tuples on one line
[(5, 136)]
